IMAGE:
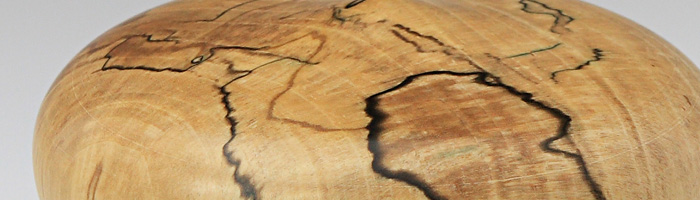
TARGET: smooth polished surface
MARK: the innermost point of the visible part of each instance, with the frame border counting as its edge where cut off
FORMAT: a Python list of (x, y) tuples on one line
[(436, 99)]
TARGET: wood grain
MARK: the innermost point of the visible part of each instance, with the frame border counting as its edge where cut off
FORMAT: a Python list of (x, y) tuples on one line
[(373, 99)]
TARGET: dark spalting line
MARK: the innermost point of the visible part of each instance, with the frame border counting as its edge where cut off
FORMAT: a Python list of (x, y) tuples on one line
[(375, 129), (415, 44), (226, 11), (429, 37), (597, 56), (92, 47), (290, 84), (484, 78), (446, 49), (500, 61), (317, 127), (338, 15), (248, 189), (292, 14), (94, 181), (197, 60), (243, 13), (560, 19), (536, 51), (143, 67), (259, 51), (353, 3), (563, 132), (149, 38)]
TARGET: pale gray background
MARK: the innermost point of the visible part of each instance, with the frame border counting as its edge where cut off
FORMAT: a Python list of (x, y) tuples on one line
[(39, 37)]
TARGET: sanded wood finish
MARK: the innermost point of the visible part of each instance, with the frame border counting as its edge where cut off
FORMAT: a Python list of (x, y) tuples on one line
[(375, 99)]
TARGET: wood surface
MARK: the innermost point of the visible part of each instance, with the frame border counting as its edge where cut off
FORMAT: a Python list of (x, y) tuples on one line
[(375, 99)]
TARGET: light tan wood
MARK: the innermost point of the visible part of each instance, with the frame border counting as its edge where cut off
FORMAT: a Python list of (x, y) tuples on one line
[(375, 99)]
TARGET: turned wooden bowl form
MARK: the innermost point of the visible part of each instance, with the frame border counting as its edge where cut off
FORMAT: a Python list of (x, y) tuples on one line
[(375, 99)]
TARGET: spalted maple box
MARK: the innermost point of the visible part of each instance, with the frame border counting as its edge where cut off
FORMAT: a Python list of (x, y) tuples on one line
[(376, 99)]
